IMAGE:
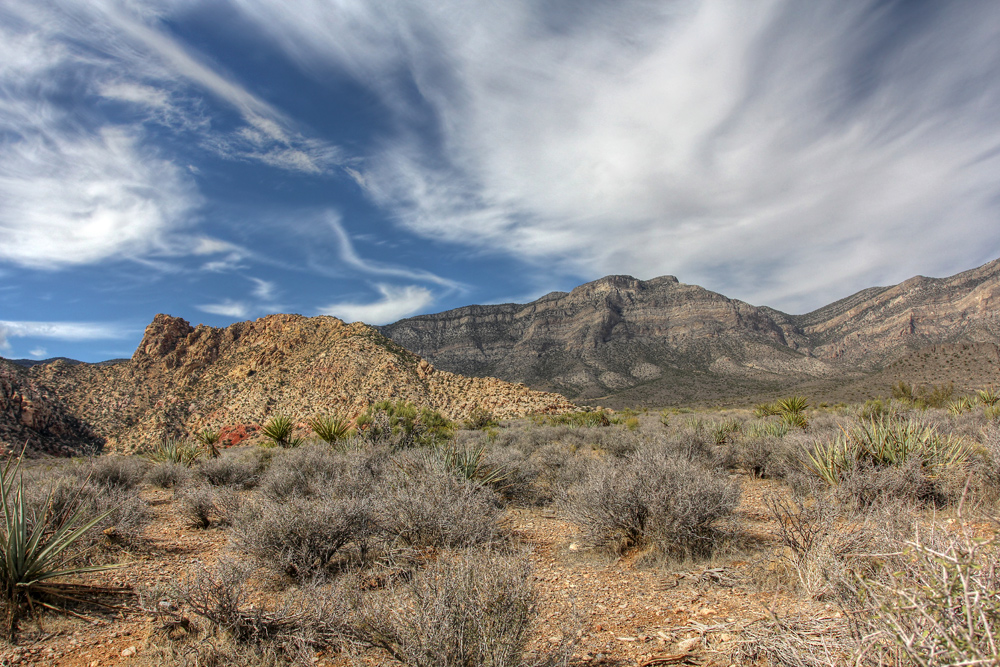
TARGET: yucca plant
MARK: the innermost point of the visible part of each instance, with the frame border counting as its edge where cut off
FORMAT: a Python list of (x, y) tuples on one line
[(35, 549), (173, 450), (988, 396), (792, 405), (762, 410), (961, 406), (469, 464), (724, 431), (883, 444), (330, 428), (774, 429), (209, 439), (279, 431)]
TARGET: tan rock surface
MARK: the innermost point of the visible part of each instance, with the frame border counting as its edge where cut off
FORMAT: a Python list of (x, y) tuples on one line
[(182, 379)]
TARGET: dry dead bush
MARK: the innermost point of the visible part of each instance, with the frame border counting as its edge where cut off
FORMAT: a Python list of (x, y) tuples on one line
[(420, 504), (197, 505), (305, 537), (240, 468), (114, 472), (469, 610), (653, 498), (167, 475)]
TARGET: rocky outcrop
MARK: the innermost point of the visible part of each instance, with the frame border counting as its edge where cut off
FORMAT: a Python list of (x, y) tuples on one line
[(661, 341), (34, 420), (182, 379)]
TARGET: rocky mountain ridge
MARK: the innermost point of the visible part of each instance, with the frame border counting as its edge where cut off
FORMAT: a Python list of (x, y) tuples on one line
[(619, 337), (182, 379)]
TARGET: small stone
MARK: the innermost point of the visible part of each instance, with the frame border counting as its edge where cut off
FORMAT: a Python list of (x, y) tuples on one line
[(129, 652), (688, 644)]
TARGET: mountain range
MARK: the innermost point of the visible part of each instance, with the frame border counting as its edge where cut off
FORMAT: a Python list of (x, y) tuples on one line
[(616, 341), (623, 341)]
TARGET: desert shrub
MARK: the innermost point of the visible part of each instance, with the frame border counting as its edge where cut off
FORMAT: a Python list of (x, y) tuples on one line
[(123, 513), (222, 596), (313, 469), (692, 441), (519, 486), (403, 425), (941, 607), (560, 466), (754, 454), (167, 475), (652, 498), (241, 468), (472, 610), (115, 472), (877, 410), (305, 537), (197, 505), (479, 419), (421, 505), (587, 418), (617, 442)]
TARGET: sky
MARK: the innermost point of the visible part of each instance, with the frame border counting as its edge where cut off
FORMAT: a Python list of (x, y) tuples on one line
[(220, 160)]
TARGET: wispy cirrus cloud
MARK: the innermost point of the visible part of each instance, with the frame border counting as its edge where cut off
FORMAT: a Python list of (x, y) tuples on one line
[(779, 151), (395, 303), (63, 331)]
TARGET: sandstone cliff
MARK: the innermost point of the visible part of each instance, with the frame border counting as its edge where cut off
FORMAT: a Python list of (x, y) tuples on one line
[(182, 379)]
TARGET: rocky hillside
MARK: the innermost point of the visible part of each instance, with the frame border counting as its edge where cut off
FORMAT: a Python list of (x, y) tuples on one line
[(182, 379), (660, 341), (35, 420)]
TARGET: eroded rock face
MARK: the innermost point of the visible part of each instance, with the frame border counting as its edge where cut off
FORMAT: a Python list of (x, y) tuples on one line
[(619, 334), (183, 379), (33, 419)]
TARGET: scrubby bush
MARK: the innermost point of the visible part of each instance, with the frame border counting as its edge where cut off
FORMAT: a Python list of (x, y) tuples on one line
[(468, 611), (115, 472), (402, 424), (167, 475), (304, 537), (314, 469), (652, 498), (240, 468), (197, 505), (421, 505)]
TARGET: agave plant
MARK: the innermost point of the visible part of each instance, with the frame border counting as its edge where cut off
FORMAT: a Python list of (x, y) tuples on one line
[(762, 410), (330, 428), (34, 549), (279, 431)]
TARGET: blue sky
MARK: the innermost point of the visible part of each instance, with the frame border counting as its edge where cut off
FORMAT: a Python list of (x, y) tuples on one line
[(372, 160)]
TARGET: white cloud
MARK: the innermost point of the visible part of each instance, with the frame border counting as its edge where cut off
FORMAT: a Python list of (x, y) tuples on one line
[(350, 257), (779, 151), (396, 303), (68, 331), (68, 199), (227, 308), (38, 352), (265, 290)]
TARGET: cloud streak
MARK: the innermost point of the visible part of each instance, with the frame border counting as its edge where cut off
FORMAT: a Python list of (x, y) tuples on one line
[(396, 303), (784, 152)]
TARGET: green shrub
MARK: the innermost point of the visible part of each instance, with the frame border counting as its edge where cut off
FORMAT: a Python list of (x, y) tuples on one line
[(402, 424), (479, 419)]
